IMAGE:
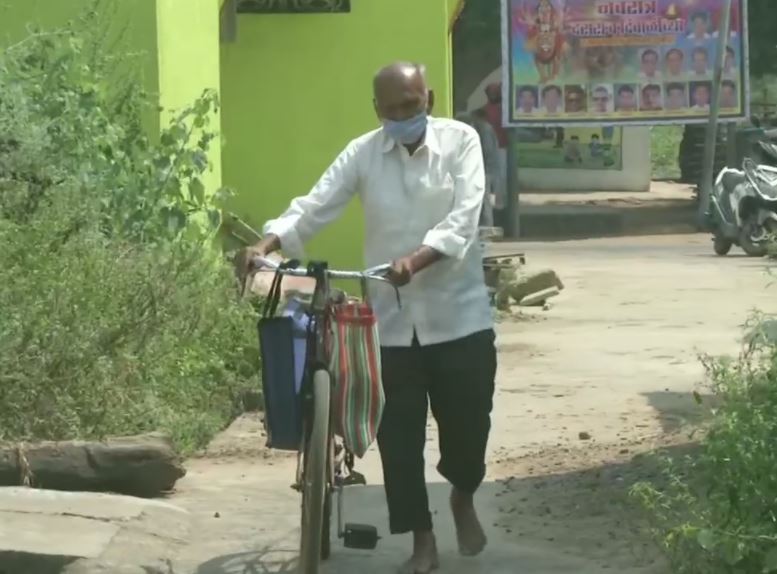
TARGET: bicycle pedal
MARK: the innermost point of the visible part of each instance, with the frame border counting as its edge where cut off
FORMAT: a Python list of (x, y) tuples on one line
[(360, 537), (355, 479)]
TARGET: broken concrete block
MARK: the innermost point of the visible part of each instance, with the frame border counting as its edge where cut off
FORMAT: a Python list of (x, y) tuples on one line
[(538, 299), (534, 283)]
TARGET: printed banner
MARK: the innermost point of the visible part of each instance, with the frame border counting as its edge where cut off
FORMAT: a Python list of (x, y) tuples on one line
[(570, 148), (620, 61)]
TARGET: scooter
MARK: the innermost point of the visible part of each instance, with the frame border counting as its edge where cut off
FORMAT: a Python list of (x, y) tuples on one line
[(744, 204)]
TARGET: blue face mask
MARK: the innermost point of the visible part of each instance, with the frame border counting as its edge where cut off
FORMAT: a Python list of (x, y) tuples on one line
[(409, 131)]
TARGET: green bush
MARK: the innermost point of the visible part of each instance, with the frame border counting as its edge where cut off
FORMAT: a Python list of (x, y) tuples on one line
[(117, 314), (665, 148), (717, 512)]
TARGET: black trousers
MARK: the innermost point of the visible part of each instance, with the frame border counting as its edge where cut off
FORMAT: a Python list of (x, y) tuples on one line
[(457, 379)]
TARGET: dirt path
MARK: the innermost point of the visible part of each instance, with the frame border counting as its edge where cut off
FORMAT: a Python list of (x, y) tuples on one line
[(614, 359)]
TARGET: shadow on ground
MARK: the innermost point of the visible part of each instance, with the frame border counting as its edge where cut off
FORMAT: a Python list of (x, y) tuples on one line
[(543, 516), (22, 562), (679, 411), (264, 561)]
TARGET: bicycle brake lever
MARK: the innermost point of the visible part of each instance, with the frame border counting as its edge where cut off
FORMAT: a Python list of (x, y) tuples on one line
[(399, 299), (378, 270)]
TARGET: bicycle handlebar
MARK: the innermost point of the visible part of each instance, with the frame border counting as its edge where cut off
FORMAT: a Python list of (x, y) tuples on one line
[(377, 273)]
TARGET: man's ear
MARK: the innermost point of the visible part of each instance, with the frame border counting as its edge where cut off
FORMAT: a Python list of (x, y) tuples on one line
[(430, 102)]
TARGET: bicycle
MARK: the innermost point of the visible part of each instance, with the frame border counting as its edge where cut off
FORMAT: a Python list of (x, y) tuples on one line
[(324, 465)]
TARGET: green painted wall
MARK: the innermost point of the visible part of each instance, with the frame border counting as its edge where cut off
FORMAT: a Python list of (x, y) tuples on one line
[(188, 56), (134, 19), (297, 88)]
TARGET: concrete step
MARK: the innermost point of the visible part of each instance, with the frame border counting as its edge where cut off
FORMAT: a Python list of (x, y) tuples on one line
[(560, 222)]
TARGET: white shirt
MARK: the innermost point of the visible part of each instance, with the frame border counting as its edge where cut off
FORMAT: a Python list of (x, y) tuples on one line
[(431, 198)]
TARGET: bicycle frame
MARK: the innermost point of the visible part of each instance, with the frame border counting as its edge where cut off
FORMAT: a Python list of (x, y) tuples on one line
[(339, 461)]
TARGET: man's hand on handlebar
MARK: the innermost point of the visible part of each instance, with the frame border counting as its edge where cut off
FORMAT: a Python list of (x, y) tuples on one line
[(265, 247), (402, 270)]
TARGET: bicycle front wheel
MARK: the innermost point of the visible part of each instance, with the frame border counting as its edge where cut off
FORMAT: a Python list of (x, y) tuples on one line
[(315, 476)]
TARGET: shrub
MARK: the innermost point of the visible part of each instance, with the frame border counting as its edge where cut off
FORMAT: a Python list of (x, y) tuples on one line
[(717, 513), (117, 314)]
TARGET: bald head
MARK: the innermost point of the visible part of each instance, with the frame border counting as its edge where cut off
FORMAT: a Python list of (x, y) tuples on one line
[(401, 91), (399, 73)]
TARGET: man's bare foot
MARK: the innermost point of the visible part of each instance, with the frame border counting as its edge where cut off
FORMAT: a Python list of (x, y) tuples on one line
[(472, 539), (425, 558)]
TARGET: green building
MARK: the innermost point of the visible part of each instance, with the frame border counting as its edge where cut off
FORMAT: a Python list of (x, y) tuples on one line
[(295, 87)]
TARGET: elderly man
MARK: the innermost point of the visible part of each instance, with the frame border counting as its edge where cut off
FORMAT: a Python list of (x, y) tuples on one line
[(421, 184)]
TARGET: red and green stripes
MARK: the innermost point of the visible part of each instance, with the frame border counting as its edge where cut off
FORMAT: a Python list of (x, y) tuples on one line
[(354, 352)]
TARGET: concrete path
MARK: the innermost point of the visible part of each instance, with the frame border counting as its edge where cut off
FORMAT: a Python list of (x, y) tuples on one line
[(583, 390)]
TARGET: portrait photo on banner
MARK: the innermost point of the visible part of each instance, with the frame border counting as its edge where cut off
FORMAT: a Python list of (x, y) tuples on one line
[(640, 62)]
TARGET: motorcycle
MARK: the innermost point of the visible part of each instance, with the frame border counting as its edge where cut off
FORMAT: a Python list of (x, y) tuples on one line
[(744, 203)]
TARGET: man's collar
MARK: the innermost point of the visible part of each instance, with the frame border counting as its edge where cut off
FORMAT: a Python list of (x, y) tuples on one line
[(431, 140)]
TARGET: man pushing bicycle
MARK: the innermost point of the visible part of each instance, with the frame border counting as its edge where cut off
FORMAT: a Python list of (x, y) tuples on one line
[(421, 184)]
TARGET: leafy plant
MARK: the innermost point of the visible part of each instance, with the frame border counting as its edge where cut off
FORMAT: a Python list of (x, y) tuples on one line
[(118, 316), (717, 512), (664, 143)]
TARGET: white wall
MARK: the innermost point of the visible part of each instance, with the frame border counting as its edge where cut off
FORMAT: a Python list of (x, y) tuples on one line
[(635, 175)]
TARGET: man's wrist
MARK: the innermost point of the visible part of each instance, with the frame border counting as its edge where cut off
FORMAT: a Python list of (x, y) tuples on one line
[(270, 243), (423, 257)]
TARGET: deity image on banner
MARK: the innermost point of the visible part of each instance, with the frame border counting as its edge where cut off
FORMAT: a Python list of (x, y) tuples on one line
[(545, 36)]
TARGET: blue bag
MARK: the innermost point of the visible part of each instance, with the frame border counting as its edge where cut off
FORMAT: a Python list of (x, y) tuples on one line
[(282, 371), (301, 324)]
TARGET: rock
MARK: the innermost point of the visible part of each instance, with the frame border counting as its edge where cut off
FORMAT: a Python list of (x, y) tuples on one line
[(503, 301), (584, 436), (539, 298), (534, 283), (143, 465), (43, 531)]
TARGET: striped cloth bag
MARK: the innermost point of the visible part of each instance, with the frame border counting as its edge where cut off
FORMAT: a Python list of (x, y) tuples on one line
[(354, 351)]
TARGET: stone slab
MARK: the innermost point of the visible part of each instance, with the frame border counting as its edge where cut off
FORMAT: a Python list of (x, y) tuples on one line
[(88, 505), (91, 532), (54, 535)]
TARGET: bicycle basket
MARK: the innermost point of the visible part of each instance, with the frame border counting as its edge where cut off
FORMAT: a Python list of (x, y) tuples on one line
[(283, 342)]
